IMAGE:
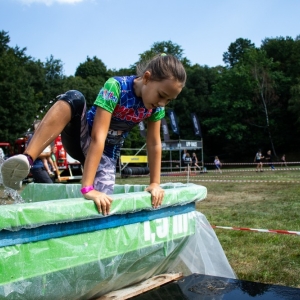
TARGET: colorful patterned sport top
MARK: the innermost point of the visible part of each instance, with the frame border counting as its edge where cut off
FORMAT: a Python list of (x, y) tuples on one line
[(118, 97)]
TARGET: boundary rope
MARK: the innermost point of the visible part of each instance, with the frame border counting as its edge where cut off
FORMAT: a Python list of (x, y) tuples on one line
[(258, 230)]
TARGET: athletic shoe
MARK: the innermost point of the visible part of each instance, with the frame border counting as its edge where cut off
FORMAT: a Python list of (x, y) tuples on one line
[(14, 170)]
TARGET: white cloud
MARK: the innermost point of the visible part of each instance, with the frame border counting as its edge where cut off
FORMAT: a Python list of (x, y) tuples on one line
[(50, 2)]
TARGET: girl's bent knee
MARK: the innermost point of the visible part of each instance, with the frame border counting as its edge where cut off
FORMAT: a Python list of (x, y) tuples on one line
[(76, 101)]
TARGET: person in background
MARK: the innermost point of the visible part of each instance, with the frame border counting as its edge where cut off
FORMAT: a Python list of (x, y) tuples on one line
[(188, 158), (269, 159), (283, 161), (258, 157), (95, 137), (183, 158), (53, 159), (47, 160), (38, 170), (218, 164), (188, 162), (195, 162)]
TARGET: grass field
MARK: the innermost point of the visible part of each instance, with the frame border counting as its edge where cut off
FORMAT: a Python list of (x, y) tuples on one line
[(244, 198)]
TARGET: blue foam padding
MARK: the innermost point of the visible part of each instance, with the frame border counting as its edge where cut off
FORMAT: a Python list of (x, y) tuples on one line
[(45, 232)]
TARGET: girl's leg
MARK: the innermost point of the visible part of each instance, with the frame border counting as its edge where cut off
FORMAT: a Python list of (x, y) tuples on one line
[(62, 117), (17, 167), (56, 119)]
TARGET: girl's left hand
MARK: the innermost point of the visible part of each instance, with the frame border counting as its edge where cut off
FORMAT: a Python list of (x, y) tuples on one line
[(157, 194)]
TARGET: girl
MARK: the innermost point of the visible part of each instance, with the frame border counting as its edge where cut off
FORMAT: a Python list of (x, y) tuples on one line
[(218, 164), (95, 137), (258, 157), (195, 162)]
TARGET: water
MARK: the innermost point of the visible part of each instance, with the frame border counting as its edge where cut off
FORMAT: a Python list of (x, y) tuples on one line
[(8, 195)]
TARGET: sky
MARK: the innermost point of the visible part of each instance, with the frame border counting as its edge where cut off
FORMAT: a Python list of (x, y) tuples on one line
[(117, 31)]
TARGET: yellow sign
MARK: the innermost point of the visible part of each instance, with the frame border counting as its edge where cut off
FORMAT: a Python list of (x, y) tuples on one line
[(134, 159)]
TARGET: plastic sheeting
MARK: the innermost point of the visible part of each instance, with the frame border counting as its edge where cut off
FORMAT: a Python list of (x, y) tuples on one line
[(64, 249)]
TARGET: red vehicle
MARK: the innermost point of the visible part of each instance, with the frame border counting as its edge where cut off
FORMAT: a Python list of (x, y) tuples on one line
[(6, 148), (70, 169), (20, 145)]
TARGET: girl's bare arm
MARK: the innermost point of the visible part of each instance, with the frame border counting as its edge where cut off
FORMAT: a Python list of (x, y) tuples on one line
[(154, 160)]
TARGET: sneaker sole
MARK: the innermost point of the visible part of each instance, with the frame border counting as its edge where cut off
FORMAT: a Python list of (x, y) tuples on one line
[(14, 170)]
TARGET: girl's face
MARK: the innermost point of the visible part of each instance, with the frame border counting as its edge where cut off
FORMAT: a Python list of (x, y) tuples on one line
[(159, 93)]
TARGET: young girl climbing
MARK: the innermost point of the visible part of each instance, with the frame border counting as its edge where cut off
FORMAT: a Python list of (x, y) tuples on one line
[(95, 137)]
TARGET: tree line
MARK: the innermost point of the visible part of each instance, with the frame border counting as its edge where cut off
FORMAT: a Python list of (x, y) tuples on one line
[(251, 102)]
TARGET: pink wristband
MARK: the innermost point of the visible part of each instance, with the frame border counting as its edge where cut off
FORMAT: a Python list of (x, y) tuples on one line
[(86, 189)]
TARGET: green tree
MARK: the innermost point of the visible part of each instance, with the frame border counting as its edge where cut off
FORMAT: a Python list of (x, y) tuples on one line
[(50, 82), (18, 103), (294, 103), (244, 103), (285, 51), (92, 67), (229, 108), (263, 72), (167, 47), (236, 51), (194, 98)]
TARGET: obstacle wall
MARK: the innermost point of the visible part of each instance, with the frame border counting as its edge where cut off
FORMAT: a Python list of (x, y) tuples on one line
[(56, 245)]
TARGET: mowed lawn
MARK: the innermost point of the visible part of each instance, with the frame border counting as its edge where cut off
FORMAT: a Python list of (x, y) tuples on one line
[(244, 198)]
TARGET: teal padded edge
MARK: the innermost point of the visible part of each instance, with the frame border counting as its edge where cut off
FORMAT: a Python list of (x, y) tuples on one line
[(128, 198), (45, 232)]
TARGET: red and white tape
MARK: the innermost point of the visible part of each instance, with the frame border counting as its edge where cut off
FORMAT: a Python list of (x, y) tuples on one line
[(258, 230), (240, 164)]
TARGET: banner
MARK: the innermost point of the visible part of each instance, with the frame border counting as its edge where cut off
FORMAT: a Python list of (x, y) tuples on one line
[(196, 124), (142, 129), (165, 129), (173, 120), (134, 159)]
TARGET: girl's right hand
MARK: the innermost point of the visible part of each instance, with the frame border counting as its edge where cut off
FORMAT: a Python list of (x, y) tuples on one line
[(102, 201)]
